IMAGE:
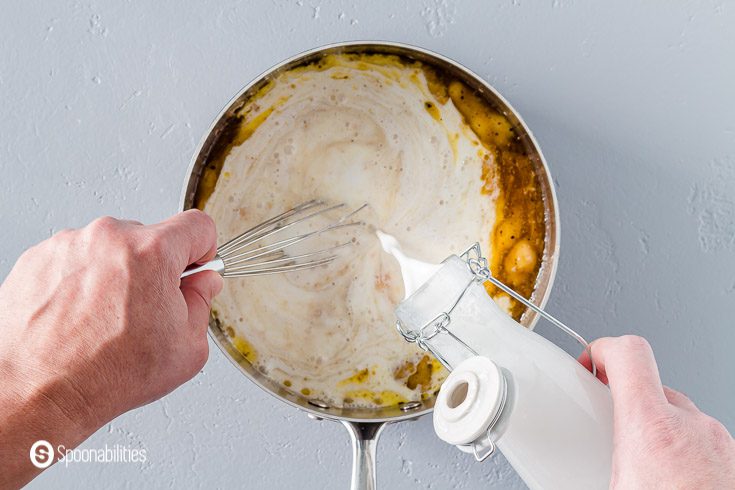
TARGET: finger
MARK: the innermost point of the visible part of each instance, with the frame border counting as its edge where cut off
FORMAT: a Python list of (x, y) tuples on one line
[(628, 365), (131, 222), (191, 236), (679, 399), (586, 361), (198, 290)]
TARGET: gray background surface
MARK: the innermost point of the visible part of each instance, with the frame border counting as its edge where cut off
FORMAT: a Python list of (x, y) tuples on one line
[(103, 103)]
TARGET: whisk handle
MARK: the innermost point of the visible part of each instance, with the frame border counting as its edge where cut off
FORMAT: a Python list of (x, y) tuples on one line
[(216, 265)]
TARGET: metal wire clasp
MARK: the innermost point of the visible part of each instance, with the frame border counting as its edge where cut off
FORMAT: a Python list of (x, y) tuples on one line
[(440, 324), (478, 265), (433, 328), (476, 262), (473, 257)]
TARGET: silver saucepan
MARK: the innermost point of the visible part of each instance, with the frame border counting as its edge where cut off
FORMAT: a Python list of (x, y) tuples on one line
[(365, 425)]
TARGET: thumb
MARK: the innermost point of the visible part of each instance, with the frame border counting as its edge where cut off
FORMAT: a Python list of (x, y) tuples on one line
[(198, 290)]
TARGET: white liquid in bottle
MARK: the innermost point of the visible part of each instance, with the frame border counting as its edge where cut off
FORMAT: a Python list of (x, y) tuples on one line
[(555, 427)]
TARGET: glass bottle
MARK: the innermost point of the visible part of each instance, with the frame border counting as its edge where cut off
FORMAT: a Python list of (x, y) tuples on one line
[(509, 388)]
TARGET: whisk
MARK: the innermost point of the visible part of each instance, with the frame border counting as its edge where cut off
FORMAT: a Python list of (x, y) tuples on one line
[(249, 255)]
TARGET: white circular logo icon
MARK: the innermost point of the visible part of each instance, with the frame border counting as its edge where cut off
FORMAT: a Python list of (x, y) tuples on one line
[(42, 454)]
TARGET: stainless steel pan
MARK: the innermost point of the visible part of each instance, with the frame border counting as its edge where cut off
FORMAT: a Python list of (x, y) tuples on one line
[(365, 425)]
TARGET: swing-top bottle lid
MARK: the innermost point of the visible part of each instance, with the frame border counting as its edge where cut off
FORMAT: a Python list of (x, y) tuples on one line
[(470, 401)]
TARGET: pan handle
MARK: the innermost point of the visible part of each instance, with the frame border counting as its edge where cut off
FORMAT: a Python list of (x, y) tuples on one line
[(364, 436)]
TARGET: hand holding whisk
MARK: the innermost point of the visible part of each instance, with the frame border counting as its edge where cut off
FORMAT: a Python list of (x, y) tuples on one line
[(250, 254)]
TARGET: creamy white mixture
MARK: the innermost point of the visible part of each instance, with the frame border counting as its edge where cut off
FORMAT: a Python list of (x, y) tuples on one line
[(353, 135)]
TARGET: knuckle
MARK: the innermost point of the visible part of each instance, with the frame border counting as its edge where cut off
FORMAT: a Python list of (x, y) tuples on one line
[(103, 225), (635, 342), (202, 219), (106, 232), (197, 214), (717, 431), (110, 244)]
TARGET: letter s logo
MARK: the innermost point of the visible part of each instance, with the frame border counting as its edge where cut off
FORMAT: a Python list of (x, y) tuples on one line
[(42, 454)]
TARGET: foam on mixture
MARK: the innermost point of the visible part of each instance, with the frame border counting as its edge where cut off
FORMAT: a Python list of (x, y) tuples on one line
[(355, 132)]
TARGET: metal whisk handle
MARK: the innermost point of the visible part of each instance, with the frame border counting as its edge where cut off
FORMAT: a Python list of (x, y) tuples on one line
[(217, 265)]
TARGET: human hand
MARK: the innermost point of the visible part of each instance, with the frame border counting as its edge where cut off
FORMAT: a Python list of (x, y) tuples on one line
[(95, 322), (660, 438)]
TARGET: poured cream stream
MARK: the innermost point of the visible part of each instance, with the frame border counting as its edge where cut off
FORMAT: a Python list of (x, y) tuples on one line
[(413, 272)]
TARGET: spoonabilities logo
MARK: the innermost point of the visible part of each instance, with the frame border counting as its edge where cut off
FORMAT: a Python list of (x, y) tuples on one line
[(42, 454)]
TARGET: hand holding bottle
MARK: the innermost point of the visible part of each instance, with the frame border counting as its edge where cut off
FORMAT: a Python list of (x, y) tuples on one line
[(660, 438)]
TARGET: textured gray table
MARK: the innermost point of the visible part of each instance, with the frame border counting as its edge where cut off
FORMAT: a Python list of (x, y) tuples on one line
[(103, 104)]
